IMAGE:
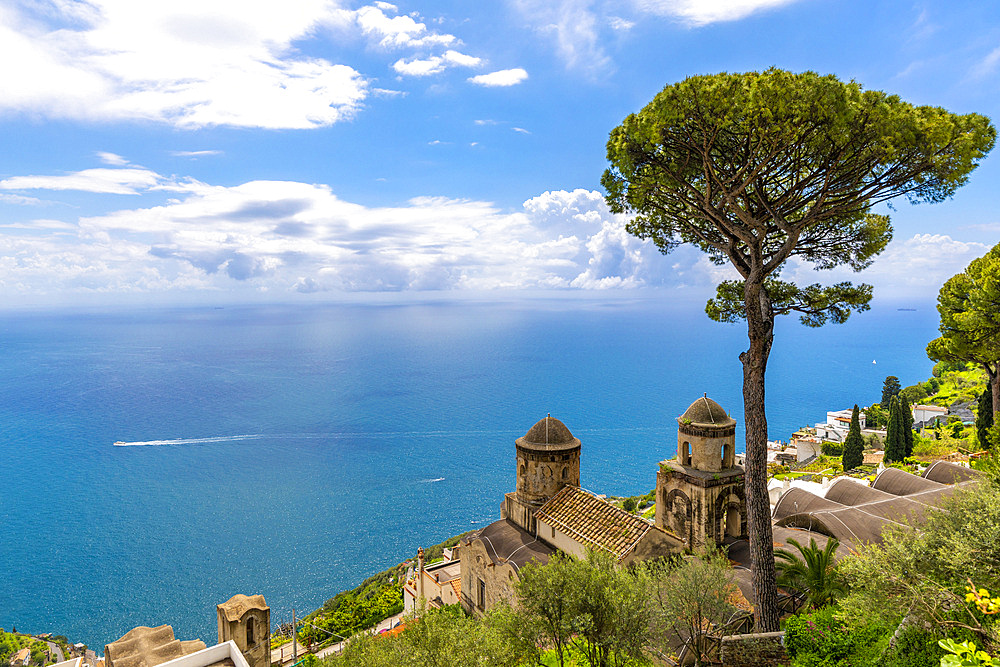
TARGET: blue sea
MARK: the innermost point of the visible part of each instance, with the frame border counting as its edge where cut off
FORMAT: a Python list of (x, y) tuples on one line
[(294, 450)]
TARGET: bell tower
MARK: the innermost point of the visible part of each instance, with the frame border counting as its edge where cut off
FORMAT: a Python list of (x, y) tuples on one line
[(246, 620), (548, 458), (699, 494)]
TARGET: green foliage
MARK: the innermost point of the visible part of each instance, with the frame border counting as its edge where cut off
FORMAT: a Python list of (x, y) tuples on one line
[(895, 440), (812, 571), (854, 444), (819, 633), (815, 304), (984, 416), (876, 416), (691, 595), (890, 388), (443, 638), (914, 393), (925, 572), (351, 613), (629, 505), (969, 306), (964, 654), (828, 448)]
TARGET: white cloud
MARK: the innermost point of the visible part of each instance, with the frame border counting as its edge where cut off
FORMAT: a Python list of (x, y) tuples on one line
[(177, 62), (916, 266), (703, 12), (987, 65), (20, 200), (502, 78), (289, 236), (112, 159), (620, 24), (396, 31), (109, 181), (520, 130), (204, 153), (434, 64), (575, 28)]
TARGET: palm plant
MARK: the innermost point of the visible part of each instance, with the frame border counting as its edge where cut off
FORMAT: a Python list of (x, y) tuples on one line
[(812, 571)]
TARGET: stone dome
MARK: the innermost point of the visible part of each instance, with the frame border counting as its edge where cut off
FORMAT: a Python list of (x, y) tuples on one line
[(706, 412), (551, 432)]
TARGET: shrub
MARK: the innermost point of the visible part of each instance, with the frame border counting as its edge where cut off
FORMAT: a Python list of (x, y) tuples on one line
[(819, 633), (832, 448)]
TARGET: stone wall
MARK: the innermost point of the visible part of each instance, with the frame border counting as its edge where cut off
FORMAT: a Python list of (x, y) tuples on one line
[(498, 580), (754, 650)]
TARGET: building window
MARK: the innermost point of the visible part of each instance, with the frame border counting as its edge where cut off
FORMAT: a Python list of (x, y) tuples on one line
[(250, 641), (482, 594)]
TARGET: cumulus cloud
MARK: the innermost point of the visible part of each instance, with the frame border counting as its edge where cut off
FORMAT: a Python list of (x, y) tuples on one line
[(380, 23), (298, 237), (434, 64), (286, 236), (916, 266), (177, 62), (501, 78)]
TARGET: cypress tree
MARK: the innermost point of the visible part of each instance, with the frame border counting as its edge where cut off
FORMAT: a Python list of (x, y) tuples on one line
[(907, 415), (854, 445), (984, 416), (895, 444)]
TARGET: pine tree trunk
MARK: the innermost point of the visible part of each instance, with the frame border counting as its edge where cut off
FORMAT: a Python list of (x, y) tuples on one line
[(760, 329), (994, 380)]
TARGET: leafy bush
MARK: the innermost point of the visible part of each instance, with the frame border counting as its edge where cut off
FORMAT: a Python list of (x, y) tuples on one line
[(819, 633), (832, 448), (822, 638)]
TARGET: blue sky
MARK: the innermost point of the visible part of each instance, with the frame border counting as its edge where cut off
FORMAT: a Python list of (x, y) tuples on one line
[(224, 150)]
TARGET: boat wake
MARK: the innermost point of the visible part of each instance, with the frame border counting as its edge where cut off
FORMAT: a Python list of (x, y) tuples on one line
[(189, 441)]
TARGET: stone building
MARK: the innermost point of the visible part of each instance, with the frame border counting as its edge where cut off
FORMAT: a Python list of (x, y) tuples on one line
[(246, 621), (438, 585), (548, 458), (700, 495), (548, 511)]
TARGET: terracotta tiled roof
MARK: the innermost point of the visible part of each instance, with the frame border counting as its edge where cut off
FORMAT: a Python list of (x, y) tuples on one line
[(593, 521), (456, 585)]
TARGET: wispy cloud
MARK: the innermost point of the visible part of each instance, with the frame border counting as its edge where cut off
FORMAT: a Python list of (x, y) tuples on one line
[(986, 65), (107, 181), (501, 78), (575, 28), (704, 12), (521, 130), (204, 153), (112, 159), (19, 200)]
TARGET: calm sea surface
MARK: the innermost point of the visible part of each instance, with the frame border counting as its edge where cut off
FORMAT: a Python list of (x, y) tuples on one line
[(292, 451)]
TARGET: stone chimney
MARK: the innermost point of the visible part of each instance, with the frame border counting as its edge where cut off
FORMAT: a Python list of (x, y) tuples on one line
[(420, 574)]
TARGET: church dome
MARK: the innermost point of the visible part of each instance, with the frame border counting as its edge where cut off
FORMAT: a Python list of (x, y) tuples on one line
[(551, 432), (706, 412)]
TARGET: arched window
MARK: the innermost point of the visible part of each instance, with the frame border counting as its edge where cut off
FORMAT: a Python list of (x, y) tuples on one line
[(686, 454), (250, 638), (565, 474)]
